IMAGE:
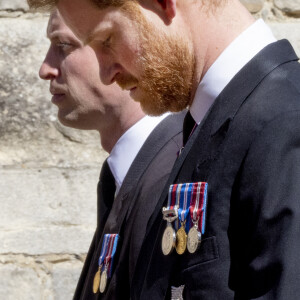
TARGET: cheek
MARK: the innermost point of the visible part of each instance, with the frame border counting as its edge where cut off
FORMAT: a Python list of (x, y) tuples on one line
[(81, 67), (129, 58), (128, 46), (132, 44)]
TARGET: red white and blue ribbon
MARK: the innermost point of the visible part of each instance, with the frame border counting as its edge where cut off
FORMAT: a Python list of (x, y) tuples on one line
[(103, 250), (184, 202), (198, 205), (108, 251), (174, 199), (190, 200)]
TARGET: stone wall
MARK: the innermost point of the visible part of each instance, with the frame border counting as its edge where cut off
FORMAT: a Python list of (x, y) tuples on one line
[(48, 173)]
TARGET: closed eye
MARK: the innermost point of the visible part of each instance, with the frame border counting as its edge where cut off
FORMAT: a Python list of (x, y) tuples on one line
[(107, 42), (63, 45)]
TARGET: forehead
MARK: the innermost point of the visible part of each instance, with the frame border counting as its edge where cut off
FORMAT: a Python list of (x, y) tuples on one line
[(57, 26)]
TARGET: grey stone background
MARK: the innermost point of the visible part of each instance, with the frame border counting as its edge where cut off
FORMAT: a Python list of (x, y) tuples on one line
[(49, 173)]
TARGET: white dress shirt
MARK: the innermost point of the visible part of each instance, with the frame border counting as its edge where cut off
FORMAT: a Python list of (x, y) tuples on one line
[(128, 146), (228, 64)]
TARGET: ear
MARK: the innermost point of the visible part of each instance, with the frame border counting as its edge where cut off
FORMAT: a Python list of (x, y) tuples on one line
[(169, 8), (165, 9)]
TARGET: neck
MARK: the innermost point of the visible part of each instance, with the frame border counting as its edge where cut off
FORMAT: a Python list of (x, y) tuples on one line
[(110, 134), (212, 32)]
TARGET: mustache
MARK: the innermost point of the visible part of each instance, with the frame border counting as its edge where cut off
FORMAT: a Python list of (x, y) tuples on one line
[(126, 81)]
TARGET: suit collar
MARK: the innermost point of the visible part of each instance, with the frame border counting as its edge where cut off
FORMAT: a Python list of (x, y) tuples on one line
[(128, 146), (153, 144), (249, 43), (246, 80)]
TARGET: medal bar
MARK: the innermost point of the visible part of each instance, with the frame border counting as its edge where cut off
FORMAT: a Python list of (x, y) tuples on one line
[(197, 214), (105, 262)]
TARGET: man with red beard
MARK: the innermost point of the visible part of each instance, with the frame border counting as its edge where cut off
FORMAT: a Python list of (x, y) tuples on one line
[(234, 188)]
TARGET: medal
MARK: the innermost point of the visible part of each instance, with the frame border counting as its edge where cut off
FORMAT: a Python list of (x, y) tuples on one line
[(96, 282), (197, 213), (181, 240), (108, 250), (97, 276), (170, 214), (183, 211), (168, 240), (103, 281), (193, 239)]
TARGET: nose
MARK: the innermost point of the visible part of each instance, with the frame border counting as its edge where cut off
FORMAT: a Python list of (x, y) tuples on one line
[(48, 69)]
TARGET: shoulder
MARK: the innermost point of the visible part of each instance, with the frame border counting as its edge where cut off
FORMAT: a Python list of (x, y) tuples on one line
[(166, 136), (274, 103), (171, 125)]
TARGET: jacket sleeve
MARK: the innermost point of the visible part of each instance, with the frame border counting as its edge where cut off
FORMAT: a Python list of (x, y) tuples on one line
[(264, 231)]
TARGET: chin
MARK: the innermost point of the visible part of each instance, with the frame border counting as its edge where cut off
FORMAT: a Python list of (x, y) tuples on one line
[(148, 106), (156, 104), (152, 108), (152, 111), (69, 120), (75, 122)]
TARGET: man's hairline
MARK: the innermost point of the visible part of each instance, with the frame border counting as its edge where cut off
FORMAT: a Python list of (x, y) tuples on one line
[(50, 5)]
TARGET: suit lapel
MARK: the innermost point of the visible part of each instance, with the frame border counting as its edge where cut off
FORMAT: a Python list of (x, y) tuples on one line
[(120, 207), (160, 136), (154, 143), (201, 150)]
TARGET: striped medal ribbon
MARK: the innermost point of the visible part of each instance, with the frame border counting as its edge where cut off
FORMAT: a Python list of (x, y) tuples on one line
[(96, 282), (108, 260), (105, 262), (170, 214), (184, 194), (197, 213)]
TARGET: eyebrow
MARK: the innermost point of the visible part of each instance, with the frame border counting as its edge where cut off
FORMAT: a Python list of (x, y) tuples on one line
[(92, 35), (89, 38)]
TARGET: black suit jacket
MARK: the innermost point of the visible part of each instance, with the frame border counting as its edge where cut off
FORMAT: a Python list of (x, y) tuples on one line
[(128, 214), (248, 151)]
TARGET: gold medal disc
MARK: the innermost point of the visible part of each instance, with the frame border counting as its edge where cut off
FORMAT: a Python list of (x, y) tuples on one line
[(181, 240), (96, 282), (193, 239), (168, 240), (103, 281)]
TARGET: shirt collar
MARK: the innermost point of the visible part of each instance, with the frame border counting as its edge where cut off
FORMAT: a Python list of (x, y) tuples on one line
[(128, 146), (228, 64)]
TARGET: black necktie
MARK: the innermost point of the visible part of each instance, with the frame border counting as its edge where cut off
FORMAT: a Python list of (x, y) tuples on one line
[(106, 193), (188, 126)]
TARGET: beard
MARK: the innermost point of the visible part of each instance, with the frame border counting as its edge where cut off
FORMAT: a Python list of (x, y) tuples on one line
[(167, 67)]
